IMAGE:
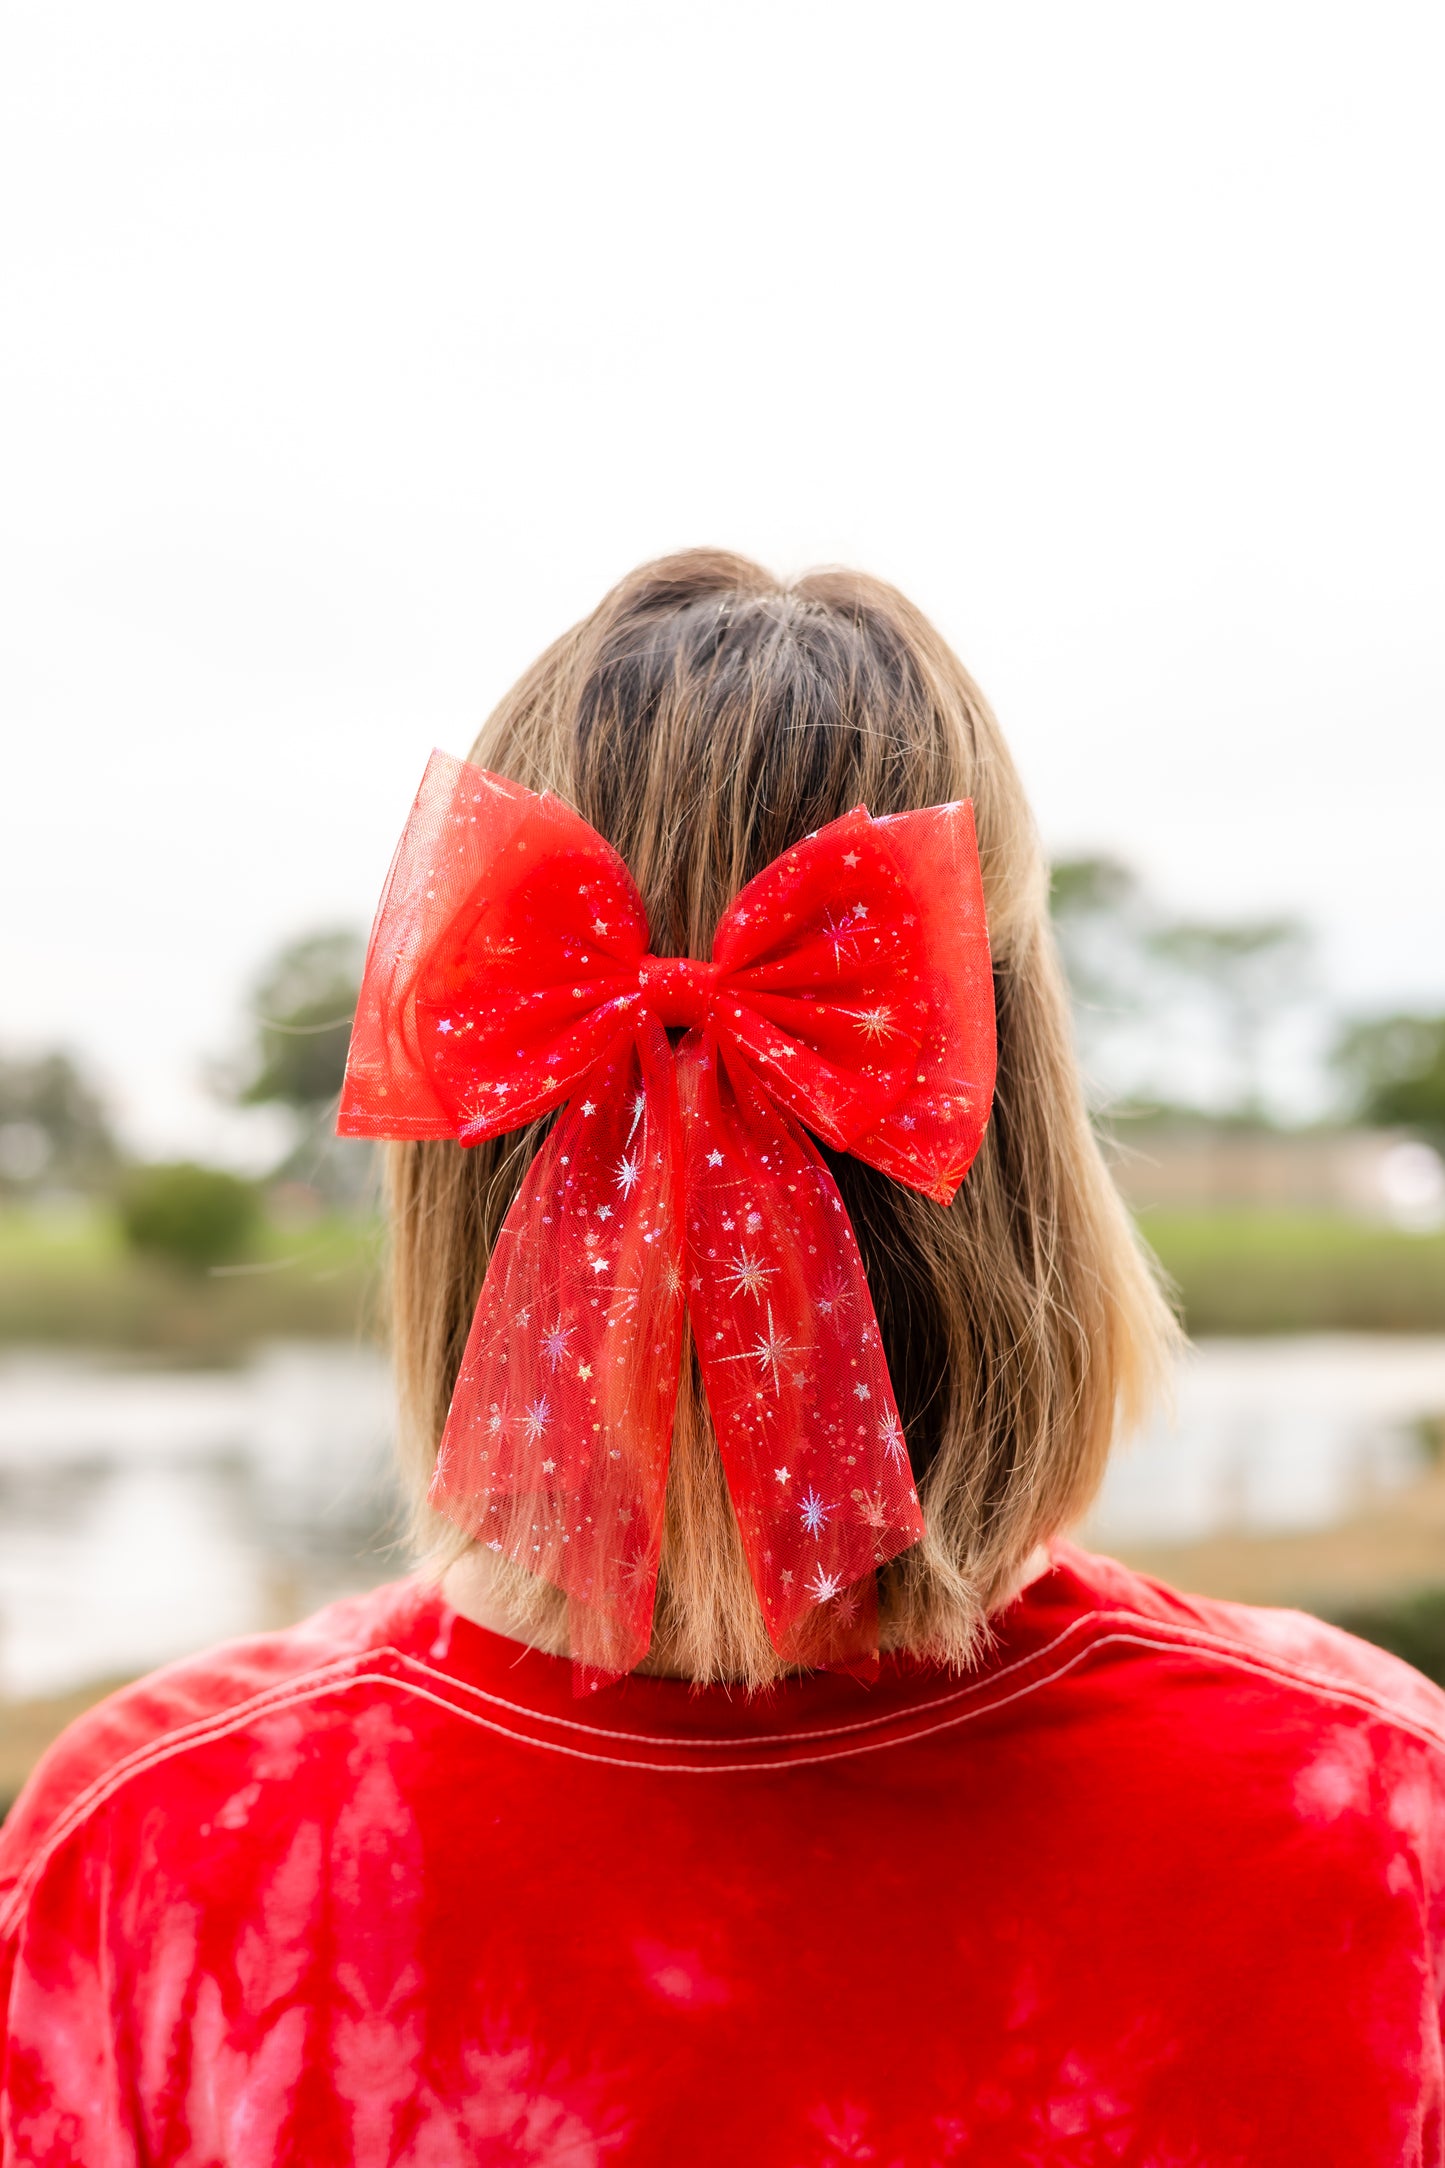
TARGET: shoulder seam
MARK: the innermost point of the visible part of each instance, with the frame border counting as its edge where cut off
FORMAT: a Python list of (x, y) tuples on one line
[(1114, 1629), (1185, 1634), (197, 1732)]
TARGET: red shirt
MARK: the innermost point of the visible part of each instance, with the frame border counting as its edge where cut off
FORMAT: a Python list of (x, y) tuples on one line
[(1160, 1884)]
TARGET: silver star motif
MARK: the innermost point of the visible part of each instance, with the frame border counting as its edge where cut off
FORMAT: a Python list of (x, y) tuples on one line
[(814, 1512), (750, 1276), (824, 1586), (835, 1294), (554, 1343), (770, 1351), (841, 935)]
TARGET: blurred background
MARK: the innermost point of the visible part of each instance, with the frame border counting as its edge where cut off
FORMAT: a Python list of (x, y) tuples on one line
[(352, 352)]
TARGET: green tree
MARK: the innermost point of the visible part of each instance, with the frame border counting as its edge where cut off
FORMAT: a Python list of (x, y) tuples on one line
[(54, 1131), (1099, 915), (191, 1216), (1249, 971), (1143, 983), (302, 1006), (1393, 1068)]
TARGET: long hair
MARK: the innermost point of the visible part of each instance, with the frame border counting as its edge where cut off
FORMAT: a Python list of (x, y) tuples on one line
[(704, 717)]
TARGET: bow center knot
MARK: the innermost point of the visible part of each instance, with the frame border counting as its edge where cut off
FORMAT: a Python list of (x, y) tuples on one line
[(678, 989)]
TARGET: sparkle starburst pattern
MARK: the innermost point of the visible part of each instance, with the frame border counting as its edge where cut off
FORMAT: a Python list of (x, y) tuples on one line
[(769, 1351), (536, 1419), (748, 1275), (629, 1172), (876, 1023), (554, 1343), (841, 935), (834, 1296), (891, 1438), (814, 1513), (635, 1569), (824, 1586)]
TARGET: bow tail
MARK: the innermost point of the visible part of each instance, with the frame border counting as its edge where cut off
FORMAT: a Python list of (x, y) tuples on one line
[(556, 1444), (809, 1432)]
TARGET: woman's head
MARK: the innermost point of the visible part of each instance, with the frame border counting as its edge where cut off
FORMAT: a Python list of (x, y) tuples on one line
[(703, 718)]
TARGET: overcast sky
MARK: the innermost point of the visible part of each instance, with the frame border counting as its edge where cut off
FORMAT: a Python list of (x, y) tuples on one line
[(352, 351)]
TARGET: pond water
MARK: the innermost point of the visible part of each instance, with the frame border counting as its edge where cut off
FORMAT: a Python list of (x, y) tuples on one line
[(1270, 1436), (146, 1513)]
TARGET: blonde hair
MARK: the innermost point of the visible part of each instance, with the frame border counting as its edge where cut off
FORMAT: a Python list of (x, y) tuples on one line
[(702, 718)]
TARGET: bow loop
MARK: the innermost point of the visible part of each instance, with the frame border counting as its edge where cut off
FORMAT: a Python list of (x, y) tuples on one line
[(822, 958), (849, 993)]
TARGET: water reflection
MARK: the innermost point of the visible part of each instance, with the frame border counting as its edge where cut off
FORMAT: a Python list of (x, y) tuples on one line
[(145, 1513), (1277, 1436)]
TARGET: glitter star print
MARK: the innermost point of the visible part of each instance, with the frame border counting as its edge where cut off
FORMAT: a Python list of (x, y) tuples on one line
[(849, 993)]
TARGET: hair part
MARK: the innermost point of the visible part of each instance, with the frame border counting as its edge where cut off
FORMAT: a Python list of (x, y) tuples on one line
[(703, 718)]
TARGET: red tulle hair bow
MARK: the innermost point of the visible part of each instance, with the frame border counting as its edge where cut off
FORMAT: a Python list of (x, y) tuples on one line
[(850, 993)]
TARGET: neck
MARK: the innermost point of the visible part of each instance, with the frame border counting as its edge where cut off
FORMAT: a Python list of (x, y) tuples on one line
[(468, 1585)]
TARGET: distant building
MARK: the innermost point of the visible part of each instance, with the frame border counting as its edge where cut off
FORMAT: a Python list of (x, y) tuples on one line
[(1372, 1174)]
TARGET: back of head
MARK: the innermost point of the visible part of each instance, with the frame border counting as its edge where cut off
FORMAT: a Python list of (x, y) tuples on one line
[(703, 718)]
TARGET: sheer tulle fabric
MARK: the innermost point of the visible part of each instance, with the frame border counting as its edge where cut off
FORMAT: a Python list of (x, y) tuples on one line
[(849, 993)]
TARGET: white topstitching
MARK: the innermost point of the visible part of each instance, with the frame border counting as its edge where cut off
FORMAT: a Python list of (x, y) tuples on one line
[(1118, 1629)]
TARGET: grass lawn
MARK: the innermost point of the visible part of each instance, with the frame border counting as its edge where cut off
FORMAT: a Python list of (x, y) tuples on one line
[(1263, 1272), (72, 1282)]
